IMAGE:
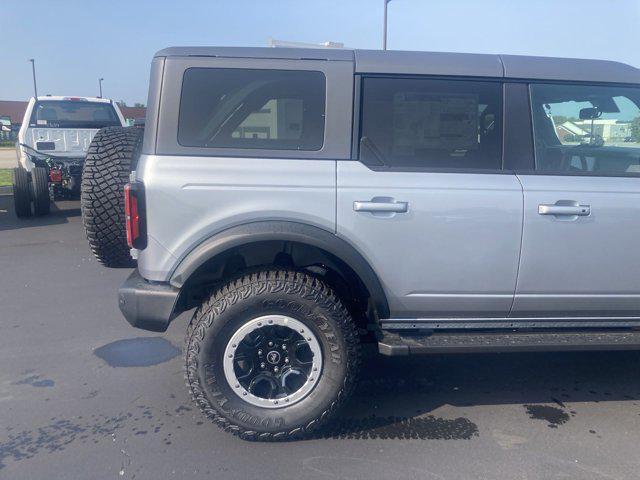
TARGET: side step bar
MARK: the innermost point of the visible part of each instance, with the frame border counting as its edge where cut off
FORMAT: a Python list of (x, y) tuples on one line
[(573, 323), (394, 343)]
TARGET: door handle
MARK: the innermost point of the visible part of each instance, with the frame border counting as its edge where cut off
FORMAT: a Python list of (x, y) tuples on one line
[(381, 207), (567, 210)]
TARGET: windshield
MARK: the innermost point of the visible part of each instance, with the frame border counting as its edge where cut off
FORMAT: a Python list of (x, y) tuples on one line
[(73, 114)]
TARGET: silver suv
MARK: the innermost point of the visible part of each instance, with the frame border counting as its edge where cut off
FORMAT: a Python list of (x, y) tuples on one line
[(305, 202)]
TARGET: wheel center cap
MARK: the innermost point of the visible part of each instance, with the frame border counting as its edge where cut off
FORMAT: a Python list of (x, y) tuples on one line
[(273, 357)]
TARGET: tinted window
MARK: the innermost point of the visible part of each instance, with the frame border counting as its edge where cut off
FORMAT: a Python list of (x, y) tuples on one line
[(73, 114), (267, 109), (586, 129), (424, 123)]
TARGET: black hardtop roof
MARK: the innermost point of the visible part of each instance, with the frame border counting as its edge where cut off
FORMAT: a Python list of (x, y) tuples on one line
[(435, 63)]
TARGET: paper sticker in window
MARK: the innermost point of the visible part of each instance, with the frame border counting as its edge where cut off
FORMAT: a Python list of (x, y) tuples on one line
[(434, 121)]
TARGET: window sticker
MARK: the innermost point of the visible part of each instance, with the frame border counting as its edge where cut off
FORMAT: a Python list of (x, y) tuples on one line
[(434, 121)]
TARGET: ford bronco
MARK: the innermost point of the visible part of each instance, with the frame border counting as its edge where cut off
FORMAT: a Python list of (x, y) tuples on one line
[(304, 202)]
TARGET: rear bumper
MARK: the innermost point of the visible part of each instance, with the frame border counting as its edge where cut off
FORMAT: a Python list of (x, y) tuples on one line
[(146, 305)]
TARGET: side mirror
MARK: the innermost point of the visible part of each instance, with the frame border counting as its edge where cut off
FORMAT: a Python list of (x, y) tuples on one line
[(590, 113)]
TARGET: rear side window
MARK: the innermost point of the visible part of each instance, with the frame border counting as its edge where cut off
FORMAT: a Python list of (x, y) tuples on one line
[(245, 108), (428, 123), (73, 114), (585, 129)]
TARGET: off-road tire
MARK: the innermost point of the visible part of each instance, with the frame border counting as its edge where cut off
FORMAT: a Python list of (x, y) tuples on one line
[(271, 292), (111, 157), (21, 192), (41, 197)]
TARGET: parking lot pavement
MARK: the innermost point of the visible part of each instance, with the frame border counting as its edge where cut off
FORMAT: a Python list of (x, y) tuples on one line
[(8, 157), (84, 395)]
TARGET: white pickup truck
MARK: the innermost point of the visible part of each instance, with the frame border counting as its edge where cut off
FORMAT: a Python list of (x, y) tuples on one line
[(52, 144)]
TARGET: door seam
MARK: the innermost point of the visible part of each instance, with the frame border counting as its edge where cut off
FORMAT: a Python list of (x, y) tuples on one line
[(513, 300), (335, 197)]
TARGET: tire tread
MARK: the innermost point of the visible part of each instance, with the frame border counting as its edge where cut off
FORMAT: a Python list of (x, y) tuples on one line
[(21, 192), (41, 198), (272, 280), (111, 157)]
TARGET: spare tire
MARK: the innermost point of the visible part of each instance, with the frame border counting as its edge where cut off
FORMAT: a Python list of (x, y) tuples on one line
[(21, 192), (111, 157), (41, 196)]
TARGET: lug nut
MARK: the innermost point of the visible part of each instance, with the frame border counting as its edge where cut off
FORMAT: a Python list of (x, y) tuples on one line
[(271, 344), (259, 352), (284, 347), (275, 369), (286, 359), (262, 365)]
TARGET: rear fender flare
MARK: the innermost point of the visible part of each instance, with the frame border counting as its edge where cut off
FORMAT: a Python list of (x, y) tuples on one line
[(284, 231)]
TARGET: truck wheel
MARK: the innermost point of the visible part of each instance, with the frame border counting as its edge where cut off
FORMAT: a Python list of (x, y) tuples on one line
[(21, 192), (271, 355), (111, 157), (40, 183)]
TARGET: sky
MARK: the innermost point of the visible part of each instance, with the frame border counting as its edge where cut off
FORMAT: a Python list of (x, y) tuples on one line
[(74, 42)]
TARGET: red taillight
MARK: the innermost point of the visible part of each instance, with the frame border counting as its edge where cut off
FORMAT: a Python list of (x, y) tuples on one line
[(134, 211), (131, 215), (55, 176)]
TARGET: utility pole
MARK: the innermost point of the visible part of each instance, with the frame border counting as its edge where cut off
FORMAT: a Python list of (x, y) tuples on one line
[(384, 27), (33, 69), (100, 85)]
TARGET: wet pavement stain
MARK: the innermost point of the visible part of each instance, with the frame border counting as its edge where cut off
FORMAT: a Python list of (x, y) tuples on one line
[(35, 381), (55, 437), (421, 428), (553, 415), (137, 352), (91, 394), (61, 433)]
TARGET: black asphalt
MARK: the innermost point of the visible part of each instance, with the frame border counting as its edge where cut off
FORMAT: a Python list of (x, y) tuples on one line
[(85, 396)]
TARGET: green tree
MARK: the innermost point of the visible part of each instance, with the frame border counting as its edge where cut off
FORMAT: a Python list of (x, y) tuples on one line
[(139, 105)]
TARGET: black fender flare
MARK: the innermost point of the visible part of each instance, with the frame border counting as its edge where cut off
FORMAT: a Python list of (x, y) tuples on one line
[(286, 231)]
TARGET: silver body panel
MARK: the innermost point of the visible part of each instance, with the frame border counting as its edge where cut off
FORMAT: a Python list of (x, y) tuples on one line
[(454, 251), (575, 264), (189, 199)]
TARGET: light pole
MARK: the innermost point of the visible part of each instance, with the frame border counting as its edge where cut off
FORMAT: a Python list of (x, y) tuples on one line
[(384, 27), (33, 69), (100, 85)]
